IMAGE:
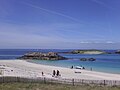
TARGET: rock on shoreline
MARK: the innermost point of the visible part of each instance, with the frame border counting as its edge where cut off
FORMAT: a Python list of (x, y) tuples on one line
[(42, 56)]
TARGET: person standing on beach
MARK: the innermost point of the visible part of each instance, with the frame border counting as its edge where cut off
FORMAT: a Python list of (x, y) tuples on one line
[(58, 73), (42, 74), (83, 67), (71, 67), (54, 73)]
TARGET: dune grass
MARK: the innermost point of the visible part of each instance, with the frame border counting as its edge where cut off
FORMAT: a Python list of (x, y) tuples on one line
[(41, 86)]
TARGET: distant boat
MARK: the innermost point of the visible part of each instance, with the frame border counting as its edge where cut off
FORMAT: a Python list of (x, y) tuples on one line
[(78, 67)]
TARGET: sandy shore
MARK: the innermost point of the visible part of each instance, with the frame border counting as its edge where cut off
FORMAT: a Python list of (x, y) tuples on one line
[(26, 69)]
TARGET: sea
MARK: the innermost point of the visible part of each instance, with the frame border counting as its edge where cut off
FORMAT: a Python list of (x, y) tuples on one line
[(109, 63)]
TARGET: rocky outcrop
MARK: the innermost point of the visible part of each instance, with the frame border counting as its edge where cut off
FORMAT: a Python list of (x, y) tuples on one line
[(117, 52), (42, 56), (87, 59)]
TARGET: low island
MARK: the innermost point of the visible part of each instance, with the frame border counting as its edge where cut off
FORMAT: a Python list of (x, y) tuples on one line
[(117, 52), (42, 56), (88, 52)]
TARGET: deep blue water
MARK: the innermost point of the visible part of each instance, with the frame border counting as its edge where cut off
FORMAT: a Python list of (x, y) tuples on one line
[(105, 63)]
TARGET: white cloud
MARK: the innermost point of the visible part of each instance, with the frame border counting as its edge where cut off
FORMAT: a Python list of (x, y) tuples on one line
[(97, 42), (51, 36), (110, 42)]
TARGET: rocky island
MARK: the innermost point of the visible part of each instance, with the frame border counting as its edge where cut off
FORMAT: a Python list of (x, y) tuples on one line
[(117, 52), (87, 59), (88, 52), (42, 56)]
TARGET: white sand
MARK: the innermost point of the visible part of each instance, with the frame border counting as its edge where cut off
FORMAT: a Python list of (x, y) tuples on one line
[(26, 69)]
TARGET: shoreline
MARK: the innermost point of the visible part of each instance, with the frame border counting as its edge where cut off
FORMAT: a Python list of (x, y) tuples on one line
[(27, 69), (87, 67)]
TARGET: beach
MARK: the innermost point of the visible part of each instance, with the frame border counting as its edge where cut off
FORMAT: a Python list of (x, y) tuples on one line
[(22, 68)]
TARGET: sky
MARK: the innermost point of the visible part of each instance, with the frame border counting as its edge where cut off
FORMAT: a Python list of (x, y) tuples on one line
[(60, 24)]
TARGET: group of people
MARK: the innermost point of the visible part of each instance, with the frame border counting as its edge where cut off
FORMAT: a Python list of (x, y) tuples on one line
[(56, 73)]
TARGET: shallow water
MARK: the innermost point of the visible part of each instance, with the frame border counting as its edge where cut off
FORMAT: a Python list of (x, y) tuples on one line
[(104, 63)]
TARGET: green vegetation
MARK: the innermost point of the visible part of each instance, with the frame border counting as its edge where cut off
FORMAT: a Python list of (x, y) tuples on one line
[(40, 86), (88, 52)]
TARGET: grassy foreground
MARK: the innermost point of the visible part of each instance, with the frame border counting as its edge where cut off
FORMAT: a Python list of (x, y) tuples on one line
[(40, 86)]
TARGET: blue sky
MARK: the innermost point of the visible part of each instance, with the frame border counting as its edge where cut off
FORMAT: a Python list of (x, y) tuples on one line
[(60, 24)]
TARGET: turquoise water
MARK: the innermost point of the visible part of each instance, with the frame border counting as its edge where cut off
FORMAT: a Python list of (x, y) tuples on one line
[(104, 63), (109, 63)]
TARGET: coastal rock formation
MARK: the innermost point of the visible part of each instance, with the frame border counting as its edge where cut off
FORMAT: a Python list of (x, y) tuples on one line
[(117, 52), (91, 59), (88, 52), (87, 59), (83, 59), (42, 56)]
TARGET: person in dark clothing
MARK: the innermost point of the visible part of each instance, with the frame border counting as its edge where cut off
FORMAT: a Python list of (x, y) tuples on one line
[(71, 67), (54, 73), (58, 73), (83, 67), (42, 74)]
